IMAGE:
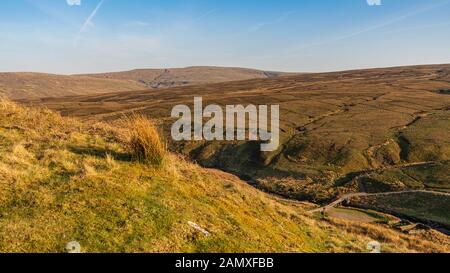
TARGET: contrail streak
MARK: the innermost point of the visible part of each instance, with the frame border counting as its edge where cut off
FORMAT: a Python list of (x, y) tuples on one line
[(89, 20), (372, 28)]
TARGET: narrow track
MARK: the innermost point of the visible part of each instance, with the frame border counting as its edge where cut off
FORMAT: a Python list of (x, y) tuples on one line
[(347, 197)]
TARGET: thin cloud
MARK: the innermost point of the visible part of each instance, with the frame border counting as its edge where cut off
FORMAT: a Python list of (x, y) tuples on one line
[(260, 25), (206, 14), (419, 27), (375, 27), (393, 21), (137, 24), (52, 12)]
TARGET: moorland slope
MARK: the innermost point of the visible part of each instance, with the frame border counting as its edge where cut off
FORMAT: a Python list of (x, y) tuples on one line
[(27, 86), (64, 180), (370, 130), (172, 77), (39, 85)]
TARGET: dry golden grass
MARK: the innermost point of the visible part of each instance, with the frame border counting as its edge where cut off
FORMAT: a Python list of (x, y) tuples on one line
[(144, 141)]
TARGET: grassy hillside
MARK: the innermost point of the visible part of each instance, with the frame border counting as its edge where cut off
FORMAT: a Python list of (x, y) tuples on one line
[(335, 127), (63, 180), (163, 78), (38, 85)]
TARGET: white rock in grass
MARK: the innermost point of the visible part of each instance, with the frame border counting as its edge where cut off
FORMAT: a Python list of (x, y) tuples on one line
[(199, 228)]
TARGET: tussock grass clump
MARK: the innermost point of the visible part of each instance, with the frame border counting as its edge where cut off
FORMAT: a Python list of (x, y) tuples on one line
[(144, 141)]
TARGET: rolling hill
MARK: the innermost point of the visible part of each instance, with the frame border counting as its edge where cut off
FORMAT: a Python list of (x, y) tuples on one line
[(19, 86), (163, 78)]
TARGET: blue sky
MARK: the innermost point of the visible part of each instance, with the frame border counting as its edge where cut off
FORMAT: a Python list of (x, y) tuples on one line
[(285, 35)]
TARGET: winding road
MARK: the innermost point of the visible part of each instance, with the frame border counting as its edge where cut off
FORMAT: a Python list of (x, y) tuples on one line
[(347, 197)]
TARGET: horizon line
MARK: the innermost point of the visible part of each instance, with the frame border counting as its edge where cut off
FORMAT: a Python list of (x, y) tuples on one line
[(230, 67)]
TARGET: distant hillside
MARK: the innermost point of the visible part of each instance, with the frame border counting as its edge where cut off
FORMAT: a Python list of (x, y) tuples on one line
[(19, 86), (38, 85), (163, 78), (370, 130)]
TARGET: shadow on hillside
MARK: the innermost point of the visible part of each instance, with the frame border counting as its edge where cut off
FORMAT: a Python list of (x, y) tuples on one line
[(100, 152)]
